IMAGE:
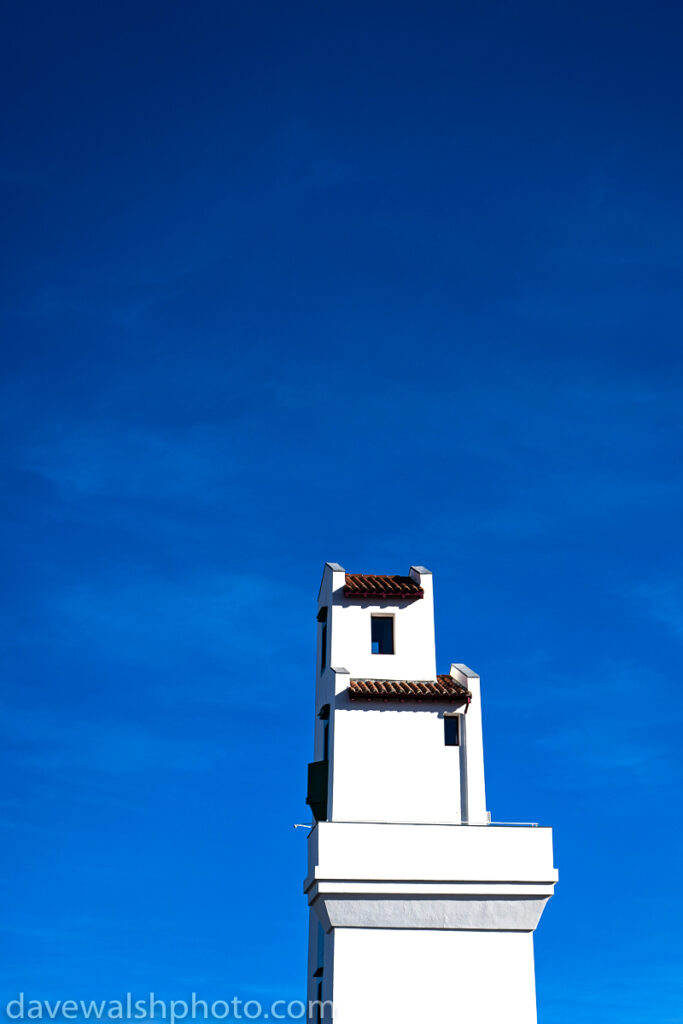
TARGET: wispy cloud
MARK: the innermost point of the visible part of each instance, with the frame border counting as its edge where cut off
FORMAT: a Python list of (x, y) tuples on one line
[(154, 620), (662, 600), (122, 461), (584, 721), (109, 744)]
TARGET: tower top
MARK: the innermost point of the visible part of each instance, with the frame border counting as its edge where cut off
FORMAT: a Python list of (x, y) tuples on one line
[(380, 585), (378, 626)]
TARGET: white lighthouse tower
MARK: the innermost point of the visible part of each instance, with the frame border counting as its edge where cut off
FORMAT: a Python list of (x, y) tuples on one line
[(422, 911)]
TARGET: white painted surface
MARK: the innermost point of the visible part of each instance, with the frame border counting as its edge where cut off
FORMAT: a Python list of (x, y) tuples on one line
[(472, 788), (433, 977), (466, 913), (430, 876), (350, 851), (391, 764), (427, 919), (433, 888)]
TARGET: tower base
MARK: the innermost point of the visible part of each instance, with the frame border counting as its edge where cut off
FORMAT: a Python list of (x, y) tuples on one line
[(426, 923)]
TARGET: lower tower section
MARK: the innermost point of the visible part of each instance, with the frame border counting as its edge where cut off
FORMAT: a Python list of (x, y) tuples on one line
[(416, 924)]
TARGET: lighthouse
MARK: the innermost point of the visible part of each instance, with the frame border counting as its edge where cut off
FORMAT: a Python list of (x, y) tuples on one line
[(422, 909)]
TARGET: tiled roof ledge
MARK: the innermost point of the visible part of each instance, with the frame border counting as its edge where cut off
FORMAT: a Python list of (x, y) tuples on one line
[(382, 587), (442, 689)]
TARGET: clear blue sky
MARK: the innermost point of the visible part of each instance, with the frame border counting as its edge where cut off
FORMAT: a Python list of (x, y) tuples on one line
[(381, 283)]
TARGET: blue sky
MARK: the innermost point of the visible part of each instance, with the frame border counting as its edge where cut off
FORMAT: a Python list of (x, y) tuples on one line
[(375, 283)]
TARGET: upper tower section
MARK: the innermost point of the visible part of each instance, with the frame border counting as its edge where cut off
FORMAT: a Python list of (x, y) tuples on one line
[(394, 741), (377, 627)]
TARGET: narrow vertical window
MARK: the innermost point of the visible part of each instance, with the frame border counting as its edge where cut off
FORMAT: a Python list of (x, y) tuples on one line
[(322, 618), (451, 728), (323, 648), (324, 716), (382, 634), (321, 950)]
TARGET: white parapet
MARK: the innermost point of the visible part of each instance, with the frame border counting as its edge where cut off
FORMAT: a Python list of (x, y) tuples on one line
[(429, 876)]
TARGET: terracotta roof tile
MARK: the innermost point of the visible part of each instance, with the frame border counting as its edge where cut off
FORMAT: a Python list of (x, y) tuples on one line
[(444, 688), (400, 587)]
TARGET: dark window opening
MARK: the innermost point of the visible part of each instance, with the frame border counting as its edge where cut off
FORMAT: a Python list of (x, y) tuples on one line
[(323, 647), (321, 952), (322, 618), (324, 716), (382, 634), (318, 779), (451, 726)]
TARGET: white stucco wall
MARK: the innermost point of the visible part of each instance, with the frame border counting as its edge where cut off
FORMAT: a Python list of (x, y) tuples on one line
[(433, 977), (431, 853), (391, 764), (472, 785)]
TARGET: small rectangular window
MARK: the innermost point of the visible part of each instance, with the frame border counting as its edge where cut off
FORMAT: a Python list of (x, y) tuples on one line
[(451, 727), (382, 634)]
